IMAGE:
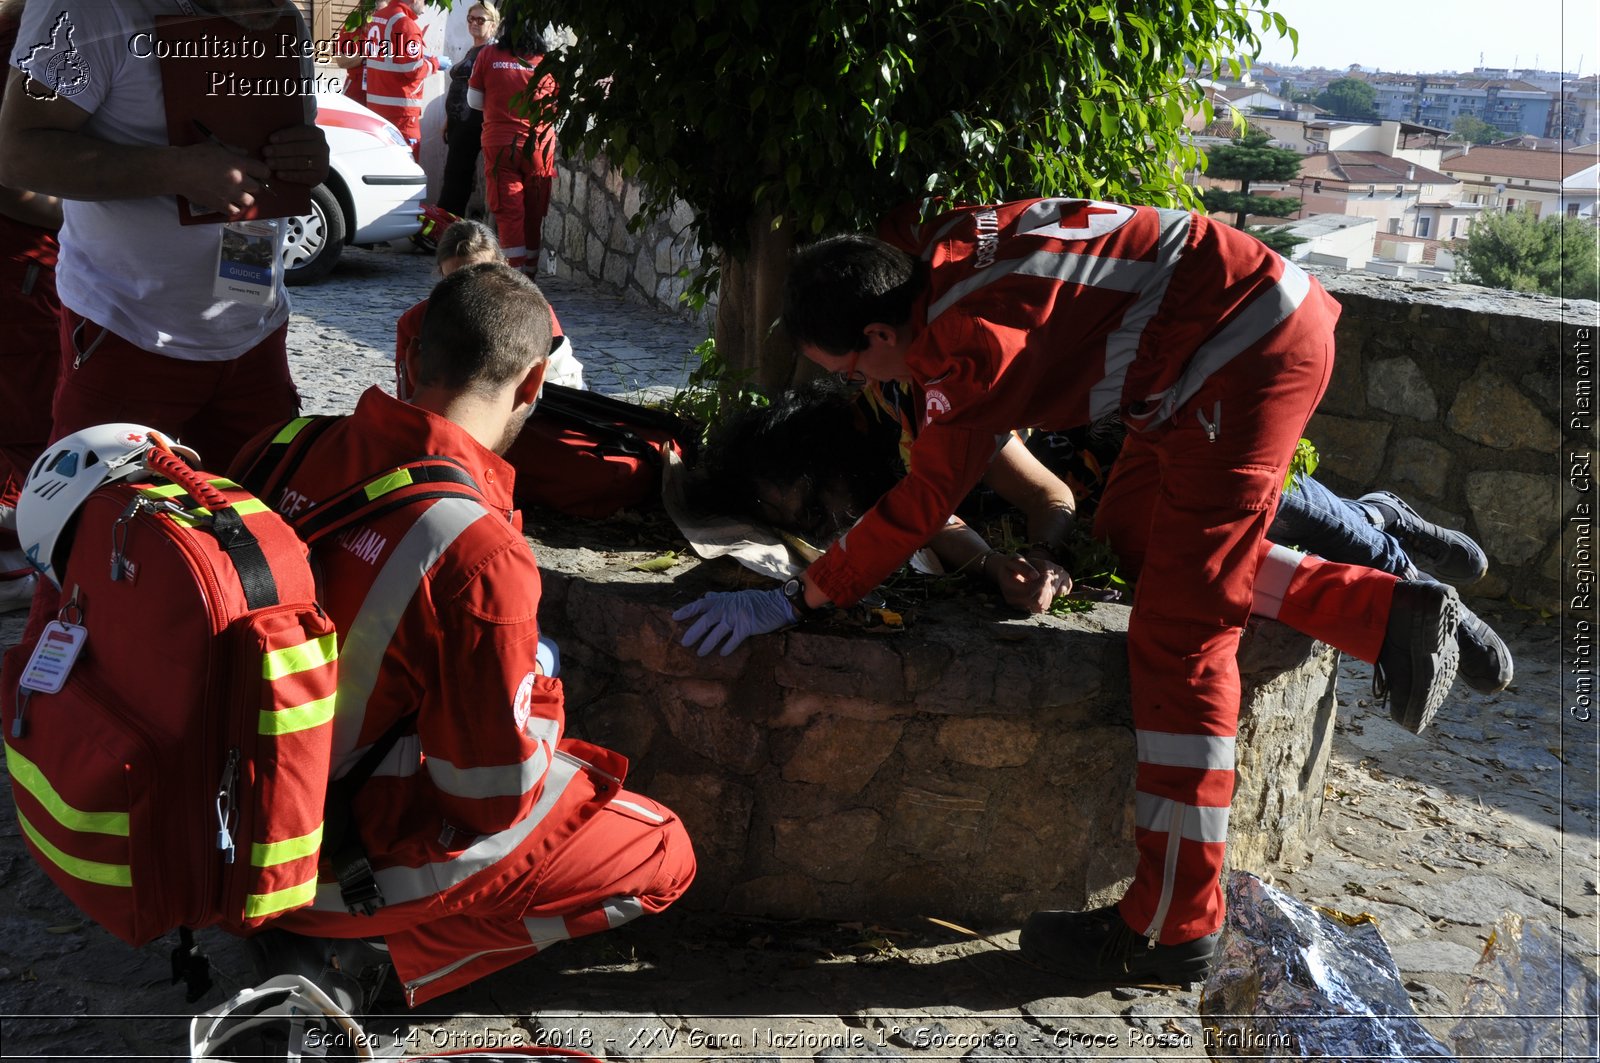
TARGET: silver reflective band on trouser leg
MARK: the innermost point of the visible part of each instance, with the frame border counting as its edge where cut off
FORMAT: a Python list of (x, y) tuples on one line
[(1180, 823), (1203, 752), (401, 884)]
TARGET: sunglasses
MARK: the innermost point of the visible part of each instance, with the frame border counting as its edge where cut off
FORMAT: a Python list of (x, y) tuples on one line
[(477, 20)]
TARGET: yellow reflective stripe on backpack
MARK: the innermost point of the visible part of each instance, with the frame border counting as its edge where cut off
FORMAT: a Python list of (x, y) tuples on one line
[(271, 854), (302, 658), (258, 905), (290, 430), (174, 490), (392, 482), (297, 717), (87, 870), (27, 773)]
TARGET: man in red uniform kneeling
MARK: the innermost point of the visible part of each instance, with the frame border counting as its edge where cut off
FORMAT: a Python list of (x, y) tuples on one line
[(490, 834)]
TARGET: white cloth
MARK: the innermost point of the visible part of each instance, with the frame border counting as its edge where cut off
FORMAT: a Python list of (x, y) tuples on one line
[(127, 264)]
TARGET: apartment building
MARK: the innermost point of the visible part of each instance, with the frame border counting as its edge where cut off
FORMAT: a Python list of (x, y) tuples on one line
[(1507, 179), (1510, 104)]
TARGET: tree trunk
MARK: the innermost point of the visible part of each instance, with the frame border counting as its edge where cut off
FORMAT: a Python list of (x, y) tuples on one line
[(749, 300), (1244, 204)]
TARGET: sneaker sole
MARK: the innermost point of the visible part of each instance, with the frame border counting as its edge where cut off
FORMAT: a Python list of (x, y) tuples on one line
[(1434, 650)]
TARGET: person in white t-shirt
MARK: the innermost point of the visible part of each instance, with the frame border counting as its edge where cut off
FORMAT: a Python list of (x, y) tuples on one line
[(146, 335)]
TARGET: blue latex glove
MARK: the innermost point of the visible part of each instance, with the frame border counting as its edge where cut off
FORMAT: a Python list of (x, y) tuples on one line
[(735, 616)]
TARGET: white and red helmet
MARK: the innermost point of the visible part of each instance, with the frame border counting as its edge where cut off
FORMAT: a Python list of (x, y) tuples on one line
[(67, 473)]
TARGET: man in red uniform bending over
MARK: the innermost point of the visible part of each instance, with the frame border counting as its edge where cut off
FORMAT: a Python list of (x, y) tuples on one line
[(490, 835), (1053, 313)]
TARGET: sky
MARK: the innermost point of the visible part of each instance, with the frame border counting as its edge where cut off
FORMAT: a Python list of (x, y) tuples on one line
[(1429, 36)]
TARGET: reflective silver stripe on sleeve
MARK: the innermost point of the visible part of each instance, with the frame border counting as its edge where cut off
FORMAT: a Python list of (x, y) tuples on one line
[(1265, 313), (482, 783), (1272, 580), (638, 809), (1122, 346), (621, 910), (1200, 824), (1205, 752), (362, 650), (1117, 274), (395, 101), (401, 884)]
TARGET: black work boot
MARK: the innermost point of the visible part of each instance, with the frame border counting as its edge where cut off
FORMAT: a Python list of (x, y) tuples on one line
[(1445, 554), (1098, 946), (1485, 659), (1418, 661), (350, 971)]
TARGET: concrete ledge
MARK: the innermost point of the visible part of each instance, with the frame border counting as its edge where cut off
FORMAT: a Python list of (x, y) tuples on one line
[(975, 766)]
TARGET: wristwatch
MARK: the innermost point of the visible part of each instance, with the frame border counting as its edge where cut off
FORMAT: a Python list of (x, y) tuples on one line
[(794, 589)]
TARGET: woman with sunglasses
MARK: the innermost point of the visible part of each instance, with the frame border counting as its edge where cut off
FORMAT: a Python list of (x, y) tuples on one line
[(463, 125)]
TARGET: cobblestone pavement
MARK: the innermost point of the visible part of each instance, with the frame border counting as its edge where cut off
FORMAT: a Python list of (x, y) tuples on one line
[(1494, 809)]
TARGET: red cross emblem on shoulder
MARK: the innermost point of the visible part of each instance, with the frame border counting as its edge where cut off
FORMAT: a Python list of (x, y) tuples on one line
[(1076, 213)]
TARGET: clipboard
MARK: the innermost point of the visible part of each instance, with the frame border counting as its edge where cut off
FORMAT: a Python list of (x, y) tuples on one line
[(201, 58)]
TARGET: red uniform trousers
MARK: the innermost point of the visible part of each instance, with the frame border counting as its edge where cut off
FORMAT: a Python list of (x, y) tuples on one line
[(519, 198), (214, 407), (1200, 491), (29, 351), (631, 857)]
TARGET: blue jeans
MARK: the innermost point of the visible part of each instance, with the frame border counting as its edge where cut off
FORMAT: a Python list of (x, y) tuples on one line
[(1315, 520)]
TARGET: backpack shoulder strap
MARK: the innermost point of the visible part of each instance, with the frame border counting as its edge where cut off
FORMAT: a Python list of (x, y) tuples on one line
[(432, 477), (281, 458)]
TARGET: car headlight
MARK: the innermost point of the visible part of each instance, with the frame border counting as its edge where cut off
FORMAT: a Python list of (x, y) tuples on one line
[(391, 134)]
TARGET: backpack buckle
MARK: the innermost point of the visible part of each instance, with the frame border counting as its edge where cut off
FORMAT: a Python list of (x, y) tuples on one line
[(358, 886)]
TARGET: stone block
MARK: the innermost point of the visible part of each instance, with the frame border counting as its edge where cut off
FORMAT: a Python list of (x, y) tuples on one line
[(600, 214), (787, 896), (1422, 464), (831, 848), (666, 261), (594, 255), (1512, 512), (1491, 410), (615, 271), (630, 198), (1396, 385), (732, 743), (842, 754), (988, 742), (644, 273), (714, 809), (938, 817), (1351, 448)]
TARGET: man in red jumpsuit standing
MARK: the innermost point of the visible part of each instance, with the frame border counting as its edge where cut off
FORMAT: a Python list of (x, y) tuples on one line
[(1053, 313), (396, 64), (490, 834)]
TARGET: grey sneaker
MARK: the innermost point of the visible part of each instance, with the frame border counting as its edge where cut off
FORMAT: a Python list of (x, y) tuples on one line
[(1485, 659), (1417, 664), (1445, 554)]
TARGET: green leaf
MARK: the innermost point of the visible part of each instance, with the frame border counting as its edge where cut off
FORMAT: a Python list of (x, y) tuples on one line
[(659, 563)]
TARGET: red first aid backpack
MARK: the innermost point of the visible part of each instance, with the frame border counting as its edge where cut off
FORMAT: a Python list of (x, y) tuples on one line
[(176, 778), (589, 455)]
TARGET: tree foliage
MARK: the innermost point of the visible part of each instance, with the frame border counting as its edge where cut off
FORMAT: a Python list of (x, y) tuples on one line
[(1475, 130), (823, 114), (1556, 256), (1349, 98), (1248, 159)]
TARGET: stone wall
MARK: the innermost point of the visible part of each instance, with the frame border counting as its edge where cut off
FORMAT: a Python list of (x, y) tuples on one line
[(974, 766), (1453, 396), (586, 234)]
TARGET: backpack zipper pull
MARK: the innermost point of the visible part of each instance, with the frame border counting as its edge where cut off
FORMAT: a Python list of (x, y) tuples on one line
[(230, 775), (1212, 427), (17, 727)]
